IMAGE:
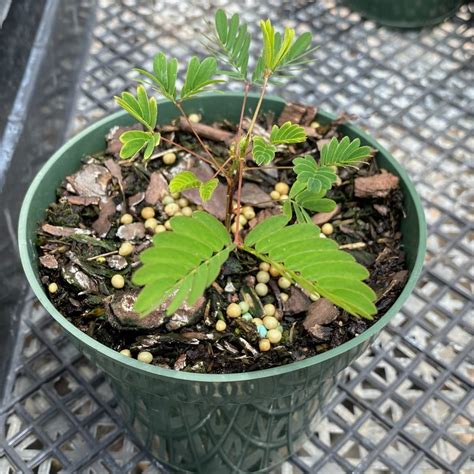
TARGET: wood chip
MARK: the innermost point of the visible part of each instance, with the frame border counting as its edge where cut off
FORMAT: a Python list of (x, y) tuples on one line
[(320, 313), (378, 185), (207, 131), (60, 231), (83, 200), (102, 224), (49, 261), (322, 217), (131, 231), (157, 188), (298, 302), (136, 199), (91, 181), (297, 113), (253, 195)]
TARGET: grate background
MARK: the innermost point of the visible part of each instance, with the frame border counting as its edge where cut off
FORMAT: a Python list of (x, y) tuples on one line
[(406, 405)]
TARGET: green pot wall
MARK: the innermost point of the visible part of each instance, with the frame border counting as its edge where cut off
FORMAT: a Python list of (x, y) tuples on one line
[(214, 423), (405, 13)]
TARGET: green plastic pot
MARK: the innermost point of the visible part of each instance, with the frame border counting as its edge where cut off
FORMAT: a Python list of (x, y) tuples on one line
[(247, 422), (405, 13)]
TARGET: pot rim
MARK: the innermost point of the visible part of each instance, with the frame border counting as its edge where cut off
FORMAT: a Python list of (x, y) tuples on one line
[(135, 365)]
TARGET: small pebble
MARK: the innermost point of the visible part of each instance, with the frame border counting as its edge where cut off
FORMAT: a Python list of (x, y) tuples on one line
[(315, 125), (242, 220), (233, 310), (167, 200), (126, 352), (160, 228), (151, 223), (248, 212), (282, 188), (147, 212), (322, 236), (284, 283), (264, 345), (126, 249), (327, 229), (274, 336), (126, 219), (221, 325), (262, 330), (275, 195), (274, 272), (244, 306), (284, 297), (247, 317), (314, 297), (280, 328), (257, 321), (194, 118), (52, 287), (171, 209), (269, 309), (100, 259), (175, 195), (233, 227), (283, 197), (168, 225), (264, 266), (187, 211), (145, 356), (117, 281), (270, 322), (183, 202), (263, 277), (179, 213), (261, 289), (169, 158)]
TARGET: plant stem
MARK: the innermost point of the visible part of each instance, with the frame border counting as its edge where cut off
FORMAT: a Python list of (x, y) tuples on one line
[(255, 168), (242, 112), (187, 150), (241, 154), (191, 126)]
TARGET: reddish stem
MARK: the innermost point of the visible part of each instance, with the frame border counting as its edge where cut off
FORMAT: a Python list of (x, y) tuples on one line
[(191, 126), (187, 150)]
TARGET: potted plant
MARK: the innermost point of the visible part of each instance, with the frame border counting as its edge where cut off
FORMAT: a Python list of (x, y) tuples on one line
[(223, 275), (406, 13)]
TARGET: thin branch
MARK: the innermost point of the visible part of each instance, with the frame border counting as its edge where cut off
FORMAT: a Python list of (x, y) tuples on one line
[(255, 168), (204, 147), (187, 150), (242, 112), (221, 168)]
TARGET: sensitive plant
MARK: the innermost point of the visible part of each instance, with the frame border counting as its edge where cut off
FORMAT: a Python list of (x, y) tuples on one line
[(184, 261)]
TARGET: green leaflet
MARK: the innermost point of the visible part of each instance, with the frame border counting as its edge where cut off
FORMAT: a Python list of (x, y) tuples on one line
[(206, 189), (262, 152), (315, 264), (233, 43), (183, 181), (135, 141), (142, 108), (282, 56), (188, 180), (164, 75), (287, 133), (182, 263), (344, 152), (198, 76)]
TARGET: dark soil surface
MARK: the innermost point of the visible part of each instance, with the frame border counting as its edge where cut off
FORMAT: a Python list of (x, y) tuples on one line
[(80, 236)]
